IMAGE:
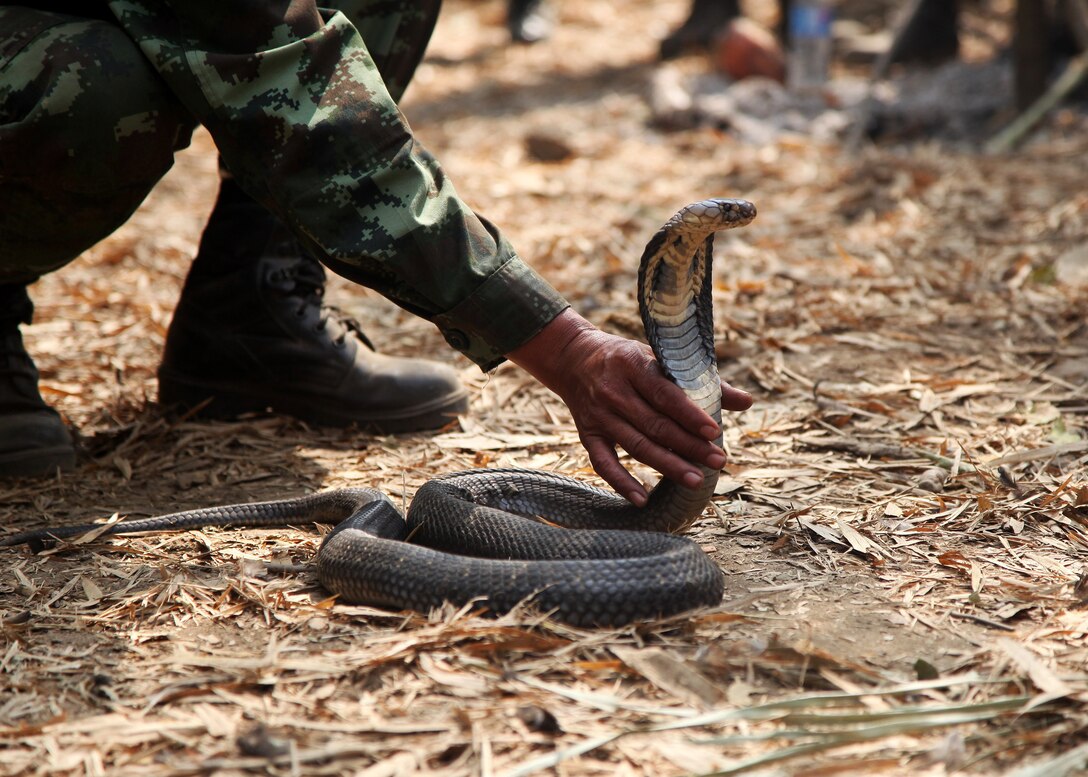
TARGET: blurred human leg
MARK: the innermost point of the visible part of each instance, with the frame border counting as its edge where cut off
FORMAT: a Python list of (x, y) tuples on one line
[(86, 130), (251, 331)]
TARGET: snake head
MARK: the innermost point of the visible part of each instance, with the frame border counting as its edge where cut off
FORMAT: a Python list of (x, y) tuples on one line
[(717, 213)]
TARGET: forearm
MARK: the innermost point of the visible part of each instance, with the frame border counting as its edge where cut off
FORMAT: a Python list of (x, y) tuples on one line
[(302, 118)]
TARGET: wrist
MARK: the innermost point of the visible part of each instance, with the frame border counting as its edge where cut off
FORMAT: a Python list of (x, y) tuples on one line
[(548, 350)]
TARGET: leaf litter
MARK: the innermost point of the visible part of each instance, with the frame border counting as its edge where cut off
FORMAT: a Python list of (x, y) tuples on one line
[(903, 520)]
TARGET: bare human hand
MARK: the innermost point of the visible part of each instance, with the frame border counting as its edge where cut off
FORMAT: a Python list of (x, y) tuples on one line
[(619, 396)]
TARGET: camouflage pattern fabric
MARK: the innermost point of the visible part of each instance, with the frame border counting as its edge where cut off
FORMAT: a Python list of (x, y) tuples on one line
[(86, 129), (302, 105)]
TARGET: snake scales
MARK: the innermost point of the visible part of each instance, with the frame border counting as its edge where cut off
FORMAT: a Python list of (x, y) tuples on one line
[(624, 564)]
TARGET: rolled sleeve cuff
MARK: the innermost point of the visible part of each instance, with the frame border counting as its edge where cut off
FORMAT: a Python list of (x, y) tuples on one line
[(504, 312)]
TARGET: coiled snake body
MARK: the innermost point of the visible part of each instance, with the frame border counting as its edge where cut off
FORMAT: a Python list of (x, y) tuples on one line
[(622, 566)]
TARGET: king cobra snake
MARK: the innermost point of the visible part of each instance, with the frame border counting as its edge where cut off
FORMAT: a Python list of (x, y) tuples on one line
[(623, 565)]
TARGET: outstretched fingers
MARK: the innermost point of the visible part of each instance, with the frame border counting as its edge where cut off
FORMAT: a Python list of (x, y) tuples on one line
[(671, 417), (602, 455), (735, 399), (655, 422)]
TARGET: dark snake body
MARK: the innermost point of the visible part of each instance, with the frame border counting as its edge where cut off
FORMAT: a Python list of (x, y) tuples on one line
[(621, 566)]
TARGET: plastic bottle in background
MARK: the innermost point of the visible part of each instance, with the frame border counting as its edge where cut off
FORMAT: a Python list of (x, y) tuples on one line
[(810, 44)]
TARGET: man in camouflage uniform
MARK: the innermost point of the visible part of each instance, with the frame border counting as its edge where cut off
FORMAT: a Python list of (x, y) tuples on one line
[(302, 106)]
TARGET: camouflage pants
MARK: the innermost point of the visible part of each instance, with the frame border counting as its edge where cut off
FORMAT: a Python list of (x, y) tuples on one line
[(87, 127)]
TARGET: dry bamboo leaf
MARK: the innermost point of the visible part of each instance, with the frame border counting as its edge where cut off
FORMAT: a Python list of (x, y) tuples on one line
[(458, 683), (496, 441), (856, 539), (954, 559), (672, 676), (1043, 676)]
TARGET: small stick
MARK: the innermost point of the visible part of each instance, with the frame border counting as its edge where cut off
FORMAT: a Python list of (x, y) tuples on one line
[(966, 616), (1074, 73)]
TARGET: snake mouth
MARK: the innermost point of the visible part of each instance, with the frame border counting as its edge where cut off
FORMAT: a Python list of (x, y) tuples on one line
[(745, 209)]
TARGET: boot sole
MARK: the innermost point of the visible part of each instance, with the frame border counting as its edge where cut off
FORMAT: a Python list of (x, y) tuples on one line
[(39, 462), (230, 402)]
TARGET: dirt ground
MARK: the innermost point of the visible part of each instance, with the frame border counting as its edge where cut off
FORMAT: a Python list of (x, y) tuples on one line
[(903, 521)]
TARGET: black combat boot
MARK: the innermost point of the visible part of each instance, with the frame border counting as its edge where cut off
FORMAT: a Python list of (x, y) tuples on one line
[(705, 20), (33, 439), (931, 36), (529, 21), (251, 333)]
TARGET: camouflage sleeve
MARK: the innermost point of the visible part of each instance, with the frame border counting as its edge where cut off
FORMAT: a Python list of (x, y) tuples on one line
[(299, 112)]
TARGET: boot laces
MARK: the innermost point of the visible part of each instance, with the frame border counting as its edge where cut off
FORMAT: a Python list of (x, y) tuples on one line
[(305, 281)]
